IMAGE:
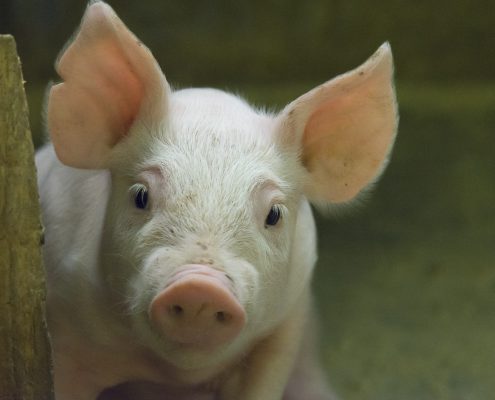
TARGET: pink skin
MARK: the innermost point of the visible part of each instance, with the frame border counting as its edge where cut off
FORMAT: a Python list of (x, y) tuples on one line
[(326, 146), (198, 308)]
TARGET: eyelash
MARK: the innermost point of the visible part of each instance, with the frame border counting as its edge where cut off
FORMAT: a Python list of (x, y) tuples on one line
[(140, 195), (274, 216)]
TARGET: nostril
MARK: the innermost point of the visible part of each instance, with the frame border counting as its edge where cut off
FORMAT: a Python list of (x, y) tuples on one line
[(223, 317), (176, 310)]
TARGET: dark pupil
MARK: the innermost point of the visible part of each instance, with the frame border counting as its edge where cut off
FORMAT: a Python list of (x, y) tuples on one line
[(141, 199), (273, 216)]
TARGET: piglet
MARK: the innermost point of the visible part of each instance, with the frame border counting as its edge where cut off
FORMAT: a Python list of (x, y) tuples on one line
[(180, 242)]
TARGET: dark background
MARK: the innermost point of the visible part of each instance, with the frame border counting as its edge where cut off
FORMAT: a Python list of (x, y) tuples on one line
[(406, 284), (260, 41)]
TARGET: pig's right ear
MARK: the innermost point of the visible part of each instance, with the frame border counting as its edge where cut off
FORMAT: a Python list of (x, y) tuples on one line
[(110, 79)]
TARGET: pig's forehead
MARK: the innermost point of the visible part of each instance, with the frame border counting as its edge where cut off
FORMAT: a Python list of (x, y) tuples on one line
[(212, 138), (211, 130), (216, 113), (203, 157)]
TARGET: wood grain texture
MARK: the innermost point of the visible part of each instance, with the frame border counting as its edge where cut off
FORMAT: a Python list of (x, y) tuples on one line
[(25, 366)]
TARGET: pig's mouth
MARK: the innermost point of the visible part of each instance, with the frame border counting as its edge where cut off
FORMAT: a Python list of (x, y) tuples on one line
[(197, 309)]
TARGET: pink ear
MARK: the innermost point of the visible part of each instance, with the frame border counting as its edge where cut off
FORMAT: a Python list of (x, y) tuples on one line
[(347, 127), (109, 77)]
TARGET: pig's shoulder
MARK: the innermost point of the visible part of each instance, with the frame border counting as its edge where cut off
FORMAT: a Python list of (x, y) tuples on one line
[(56, 178), (73, 203)]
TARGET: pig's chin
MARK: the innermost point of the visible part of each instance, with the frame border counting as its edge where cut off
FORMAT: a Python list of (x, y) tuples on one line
[(200, 344), (187, 355)]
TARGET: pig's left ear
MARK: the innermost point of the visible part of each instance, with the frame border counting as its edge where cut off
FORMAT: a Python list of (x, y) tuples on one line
[(110, 79), (345, 129)]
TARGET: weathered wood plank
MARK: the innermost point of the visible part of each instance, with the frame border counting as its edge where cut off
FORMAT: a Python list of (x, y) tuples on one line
[(25, 368)]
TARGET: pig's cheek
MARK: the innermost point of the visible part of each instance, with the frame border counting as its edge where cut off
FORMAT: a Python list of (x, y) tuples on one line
[(153, 273), (273, 294), (246, 282)]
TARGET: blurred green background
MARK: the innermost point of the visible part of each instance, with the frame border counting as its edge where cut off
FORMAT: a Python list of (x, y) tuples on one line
[(405, 284)]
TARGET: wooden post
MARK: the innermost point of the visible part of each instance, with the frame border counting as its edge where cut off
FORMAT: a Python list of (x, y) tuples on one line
[(25, 366)]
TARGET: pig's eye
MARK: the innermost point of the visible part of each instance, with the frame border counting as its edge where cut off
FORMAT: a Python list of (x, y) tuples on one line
[(140, 194), (273, 216)]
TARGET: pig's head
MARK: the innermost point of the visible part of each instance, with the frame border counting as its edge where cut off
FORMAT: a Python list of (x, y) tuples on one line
[(209, 239)]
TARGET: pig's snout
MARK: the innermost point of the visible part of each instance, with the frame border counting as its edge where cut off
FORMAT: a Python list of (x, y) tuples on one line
[(198, 308)]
